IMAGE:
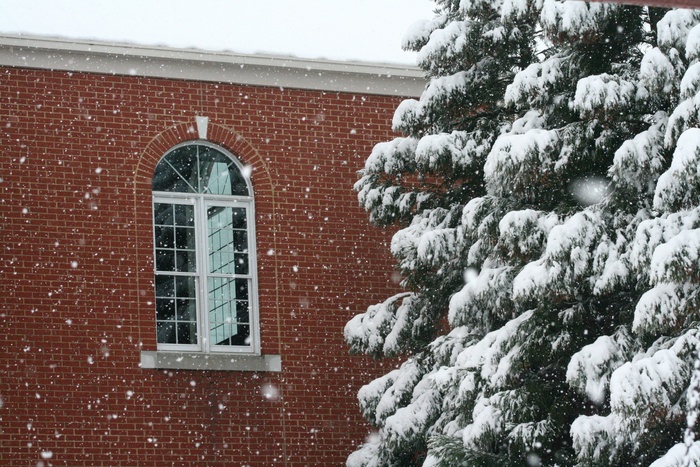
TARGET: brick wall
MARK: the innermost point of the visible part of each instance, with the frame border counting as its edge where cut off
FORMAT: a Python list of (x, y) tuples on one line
[(78, 152)]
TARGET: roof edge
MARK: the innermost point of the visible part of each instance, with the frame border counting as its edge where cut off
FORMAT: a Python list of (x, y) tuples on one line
[(199, 65)]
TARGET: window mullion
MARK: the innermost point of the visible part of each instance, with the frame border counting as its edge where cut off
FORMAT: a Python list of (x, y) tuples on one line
[(202, 271)]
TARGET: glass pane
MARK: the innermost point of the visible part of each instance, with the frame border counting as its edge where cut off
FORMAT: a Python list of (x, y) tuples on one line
[(219, 175), (238, 218), (221, 310), (183, 162), (242, 289), (165, 309), (185, 287), (228, 313), (199, 169), (186, 310), (184, 215), (239, 187), (165, 286), (166, 332), (162, 214), (184, 238), (174, 237), (242, 336), (167, 178), (186, 333), (220, 242), (164, 237), (240, 240), (241, 264), (242, 313), (177, 171), (165, 260), (186, 261), (176, 309)]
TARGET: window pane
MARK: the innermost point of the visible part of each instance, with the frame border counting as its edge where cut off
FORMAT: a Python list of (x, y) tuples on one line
[(165, 309), (174, 237), (222, 314), (199, 169), (186, 261), (186, 310), (240, 240), (167, 178), (185, 287), (184, 215), (165, 260), (241, 264), (220, 232), (238, 218), (228, 313), (164, 237), (166, 332), (242, 313), (184, 238), (165, 286), (180, 167), (242, 336), (242, 289), (186, 333), (162, 214), (219, 175)]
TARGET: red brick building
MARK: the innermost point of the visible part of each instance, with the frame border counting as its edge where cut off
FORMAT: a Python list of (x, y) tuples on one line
[(224, 179)]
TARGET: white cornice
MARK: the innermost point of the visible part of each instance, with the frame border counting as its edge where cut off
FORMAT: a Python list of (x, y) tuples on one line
[(198, 65)]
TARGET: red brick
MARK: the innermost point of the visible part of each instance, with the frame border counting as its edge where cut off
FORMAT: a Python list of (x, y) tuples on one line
[(53, 317)]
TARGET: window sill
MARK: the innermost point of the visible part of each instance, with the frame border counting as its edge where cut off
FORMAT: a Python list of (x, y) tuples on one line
[(212, 362)]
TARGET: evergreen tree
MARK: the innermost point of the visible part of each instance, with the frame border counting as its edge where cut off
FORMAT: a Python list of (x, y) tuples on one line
[(547, 190)]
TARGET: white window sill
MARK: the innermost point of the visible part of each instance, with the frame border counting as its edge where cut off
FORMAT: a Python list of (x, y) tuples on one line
[(215, 362)]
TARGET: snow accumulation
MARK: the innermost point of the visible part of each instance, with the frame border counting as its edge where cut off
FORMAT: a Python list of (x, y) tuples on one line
[(563, 247), (589, 369), (680, 184), (602, 94)]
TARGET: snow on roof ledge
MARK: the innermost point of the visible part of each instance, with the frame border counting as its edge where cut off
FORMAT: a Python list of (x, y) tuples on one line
[(199, 65)]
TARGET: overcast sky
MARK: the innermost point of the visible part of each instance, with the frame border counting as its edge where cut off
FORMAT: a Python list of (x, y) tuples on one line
[(365, 30)]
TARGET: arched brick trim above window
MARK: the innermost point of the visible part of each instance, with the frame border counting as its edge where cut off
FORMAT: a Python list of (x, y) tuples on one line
[(217, 134), (264, 192)]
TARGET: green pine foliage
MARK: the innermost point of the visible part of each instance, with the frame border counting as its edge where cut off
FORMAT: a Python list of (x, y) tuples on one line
[(546, 188)]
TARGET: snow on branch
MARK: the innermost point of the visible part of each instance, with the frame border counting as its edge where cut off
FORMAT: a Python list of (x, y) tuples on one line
[(673, 29), (520, 165), (566, 266), (483, 301), (663, 308), (659, 75), (589, 369), (680, 455), (652, 384), (677, 260), (367, 332), (571, 21), (679, 186), (638, 162), (603, 95), (654, 232), (532, 84), (418, 34)]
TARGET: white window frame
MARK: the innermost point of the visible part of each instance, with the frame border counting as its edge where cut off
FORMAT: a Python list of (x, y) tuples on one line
[(201, 202)]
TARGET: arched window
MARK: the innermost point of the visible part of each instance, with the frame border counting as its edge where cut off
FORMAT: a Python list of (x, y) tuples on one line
[(205, 274)]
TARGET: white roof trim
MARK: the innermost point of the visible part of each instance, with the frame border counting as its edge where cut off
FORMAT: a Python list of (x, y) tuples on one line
[(198, 65)]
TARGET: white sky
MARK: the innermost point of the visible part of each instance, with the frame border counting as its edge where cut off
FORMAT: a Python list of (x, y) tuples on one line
[(365, 30)]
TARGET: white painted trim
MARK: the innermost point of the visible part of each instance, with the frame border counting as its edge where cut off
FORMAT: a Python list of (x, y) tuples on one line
[(202, 124), (212, 362), (199, 65)]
